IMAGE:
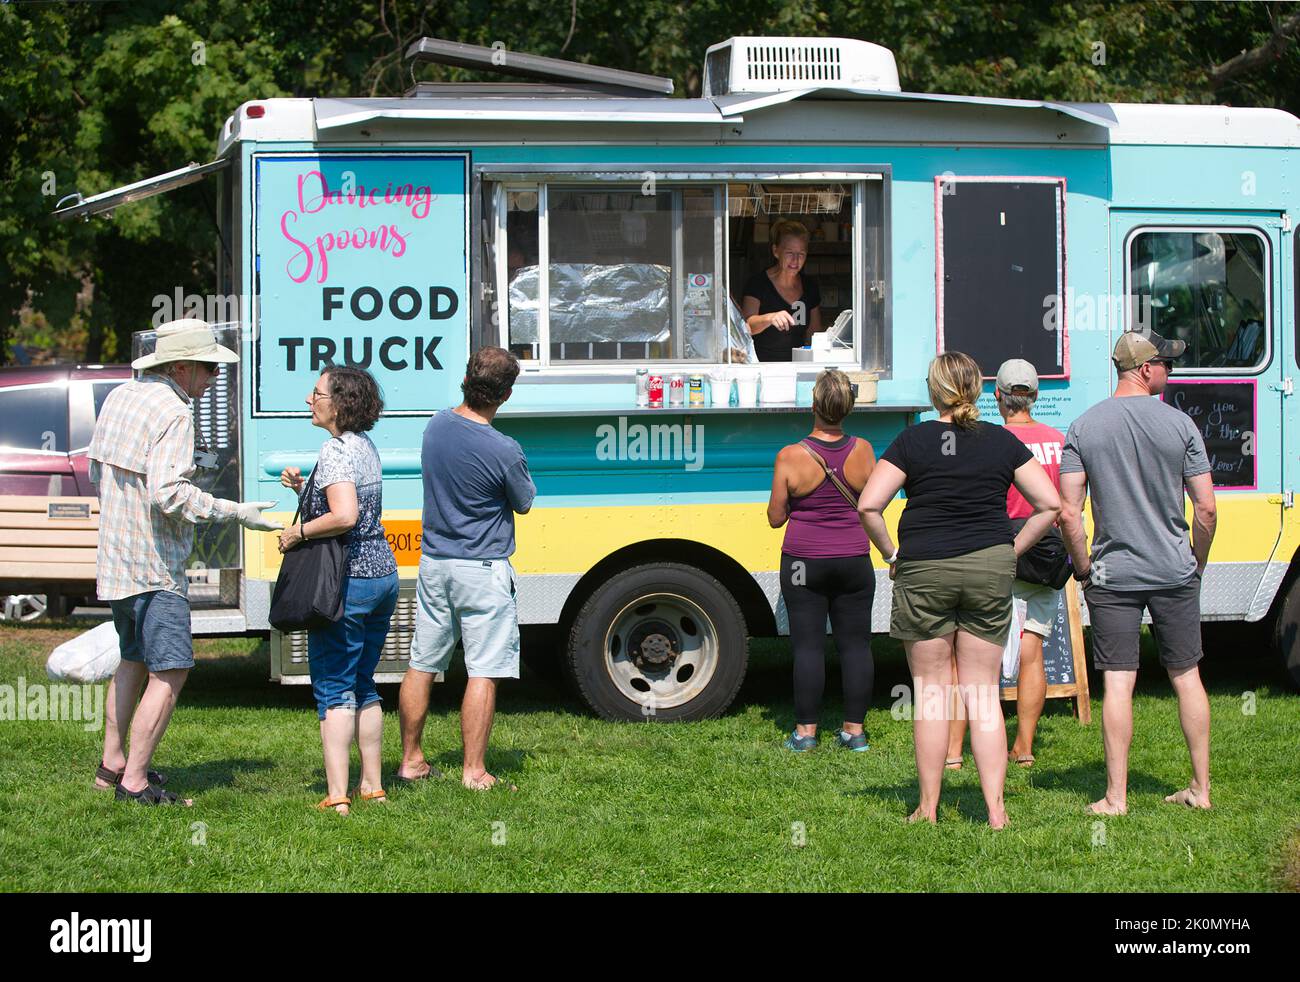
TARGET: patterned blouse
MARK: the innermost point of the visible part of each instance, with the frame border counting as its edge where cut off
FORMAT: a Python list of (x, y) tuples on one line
[(352, 457)]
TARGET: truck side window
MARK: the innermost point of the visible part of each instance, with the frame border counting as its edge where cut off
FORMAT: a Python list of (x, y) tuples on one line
[(1207, 287), (34, 418)]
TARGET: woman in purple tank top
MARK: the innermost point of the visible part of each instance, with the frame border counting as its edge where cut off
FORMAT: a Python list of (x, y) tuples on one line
[(825, 562)]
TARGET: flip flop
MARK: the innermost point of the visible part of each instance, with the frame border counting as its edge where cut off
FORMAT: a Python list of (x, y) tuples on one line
[(331, 804), (113, 777), (952, 764), (375, 794), (1023, 760), (431, 774)]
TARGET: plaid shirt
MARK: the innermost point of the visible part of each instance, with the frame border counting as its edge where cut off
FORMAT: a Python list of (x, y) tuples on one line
[(142, 459)]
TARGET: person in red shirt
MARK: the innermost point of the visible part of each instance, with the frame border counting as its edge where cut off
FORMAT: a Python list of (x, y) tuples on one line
[(1016, 390)]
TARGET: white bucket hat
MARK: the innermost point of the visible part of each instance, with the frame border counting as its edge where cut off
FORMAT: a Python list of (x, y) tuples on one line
[(189, 339)]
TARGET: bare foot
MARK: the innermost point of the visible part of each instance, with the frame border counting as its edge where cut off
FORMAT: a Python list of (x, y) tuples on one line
[(1190, 798), (1107, 807), (919, 816), (423, 771), (998, 822), (486, 782)]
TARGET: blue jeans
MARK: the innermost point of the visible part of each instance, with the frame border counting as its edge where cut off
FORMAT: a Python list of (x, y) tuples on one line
[(343, 656)]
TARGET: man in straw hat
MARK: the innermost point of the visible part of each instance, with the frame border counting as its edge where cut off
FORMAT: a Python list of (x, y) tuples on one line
[(1136, 455), (142, 459)]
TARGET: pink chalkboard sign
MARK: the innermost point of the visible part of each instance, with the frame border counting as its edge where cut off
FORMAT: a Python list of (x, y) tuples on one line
[(1224, 413)]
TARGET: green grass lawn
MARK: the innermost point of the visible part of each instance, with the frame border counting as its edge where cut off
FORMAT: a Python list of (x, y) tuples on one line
[(703, 806)]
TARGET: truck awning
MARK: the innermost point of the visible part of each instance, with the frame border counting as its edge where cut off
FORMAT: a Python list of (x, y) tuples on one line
[(1097, 114), (108, 200), (337, 113)]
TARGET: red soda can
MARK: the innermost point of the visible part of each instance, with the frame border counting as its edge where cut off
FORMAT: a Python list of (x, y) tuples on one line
[(656, 392)]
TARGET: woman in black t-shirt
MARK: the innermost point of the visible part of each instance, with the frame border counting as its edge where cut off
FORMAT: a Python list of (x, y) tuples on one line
[(954, 568), (781, 306)]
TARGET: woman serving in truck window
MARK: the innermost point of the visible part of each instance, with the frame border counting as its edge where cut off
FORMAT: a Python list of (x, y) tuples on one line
[(781, 306)]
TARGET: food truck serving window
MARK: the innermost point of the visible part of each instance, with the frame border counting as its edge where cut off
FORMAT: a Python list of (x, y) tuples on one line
[(631, 268)]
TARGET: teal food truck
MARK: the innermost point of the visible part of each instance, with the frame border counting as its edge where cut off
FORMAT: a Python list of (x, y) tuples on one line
[(595, 225)]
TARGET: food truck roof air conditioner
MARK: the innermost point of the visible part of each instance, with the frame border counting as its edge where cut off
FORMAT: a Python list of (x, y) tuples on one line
[(780, 64)]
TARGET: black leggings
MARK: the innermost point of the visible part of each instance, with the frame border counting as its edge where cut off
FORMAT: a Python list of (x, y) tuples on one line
[(844, 589)]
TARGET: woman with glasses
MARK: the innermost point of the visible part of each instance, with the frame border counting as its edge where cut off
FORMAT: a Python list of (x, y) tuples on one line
[(346, 499)]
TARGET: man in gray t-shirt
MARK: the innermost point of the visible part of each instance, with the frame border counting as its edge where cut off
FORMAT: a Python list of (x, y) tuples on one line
[(1135, 456), (475, 481)]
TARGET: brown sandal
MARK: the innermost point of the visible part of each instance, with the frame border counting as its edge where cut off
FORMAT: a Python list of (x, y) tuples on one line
[(328, 803), (112, 778)]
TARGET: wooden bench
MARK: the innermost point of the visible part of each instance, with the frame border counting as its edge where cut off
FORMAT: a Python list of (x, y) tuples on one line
[(48, 544)]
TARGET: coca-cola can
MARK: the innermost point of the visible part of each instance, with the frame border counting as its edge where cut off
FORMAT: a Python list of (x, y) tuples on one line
[(677, 390), (642, 387), (655, 391)]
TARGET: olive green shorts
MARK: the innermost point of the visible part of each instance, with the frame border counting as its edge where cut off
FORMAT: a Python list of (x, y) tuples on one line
[(971, 592)]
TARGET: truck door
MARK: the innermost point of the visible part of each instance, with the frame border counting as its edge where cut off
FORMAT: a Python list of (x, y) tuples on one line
[(1212, 280)]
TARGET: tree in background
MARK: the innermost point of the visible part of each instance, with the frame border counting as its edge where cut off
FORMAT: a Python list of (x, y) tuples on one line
[(95, 96)]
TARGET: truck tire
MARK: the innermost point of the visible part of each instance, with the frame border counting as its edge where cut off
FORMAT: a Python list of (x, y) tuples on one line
[(1286, 633), (658, 642)]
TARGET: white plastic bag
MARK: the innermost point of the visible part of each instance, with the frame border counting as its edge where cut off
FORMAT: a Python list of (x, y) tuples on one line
[(89, 657), (1011, 649)]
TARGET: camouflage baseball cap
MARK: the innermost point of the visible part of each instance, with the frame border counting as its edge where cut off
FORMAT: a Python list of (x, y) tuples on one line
[(1133, 350)]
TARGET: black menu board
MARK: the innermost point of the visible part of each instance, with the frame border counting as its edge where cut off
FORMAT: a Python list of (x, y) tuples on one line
[(1224, 414)]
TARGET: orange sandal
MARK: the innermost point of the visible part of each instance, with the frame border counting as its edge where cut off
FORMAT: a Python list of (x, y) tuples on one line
[(334, 803), (377, 794)]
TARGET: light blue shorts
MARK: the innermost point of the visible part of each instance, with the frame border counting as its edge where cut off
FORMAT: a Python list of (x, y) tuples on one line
[(469, 600)]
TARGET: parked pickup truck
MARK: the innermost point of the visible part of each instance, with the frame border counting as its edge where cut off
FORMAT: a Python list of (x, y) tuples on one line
[(48, 512)]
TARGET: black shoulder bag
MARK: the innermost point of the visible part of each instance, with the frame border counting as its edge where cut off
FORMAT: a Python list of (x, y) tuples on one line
[(309, 590), (1047, 563)]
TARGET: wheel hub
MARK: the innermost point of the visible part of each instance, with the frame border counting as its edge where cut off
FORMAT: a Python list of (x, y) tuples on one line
[(654, 646)]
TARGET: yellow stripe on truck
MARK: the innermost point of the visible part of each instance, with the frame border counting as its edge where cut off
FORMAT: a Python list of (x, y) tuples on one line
[(573, 540)]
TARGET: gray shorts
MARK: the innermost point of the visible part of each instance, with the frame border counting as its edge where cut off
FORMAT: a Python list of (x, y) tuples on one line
[(469, 600), (154, 628), (1116, 617)]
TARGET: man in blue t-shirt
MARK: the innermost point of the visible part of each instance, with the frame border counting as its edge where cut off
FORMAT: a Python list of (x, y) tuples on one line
[(475, 480)]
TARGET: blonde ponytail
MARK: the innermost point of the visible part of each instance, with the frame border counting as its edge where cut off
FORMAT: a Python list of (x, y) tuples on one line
[(966, 415), (955, 383)]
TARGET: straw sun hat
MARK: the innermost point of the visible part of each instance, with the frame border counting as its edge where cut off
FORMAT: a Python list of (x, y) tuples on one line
[(189, 339)]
